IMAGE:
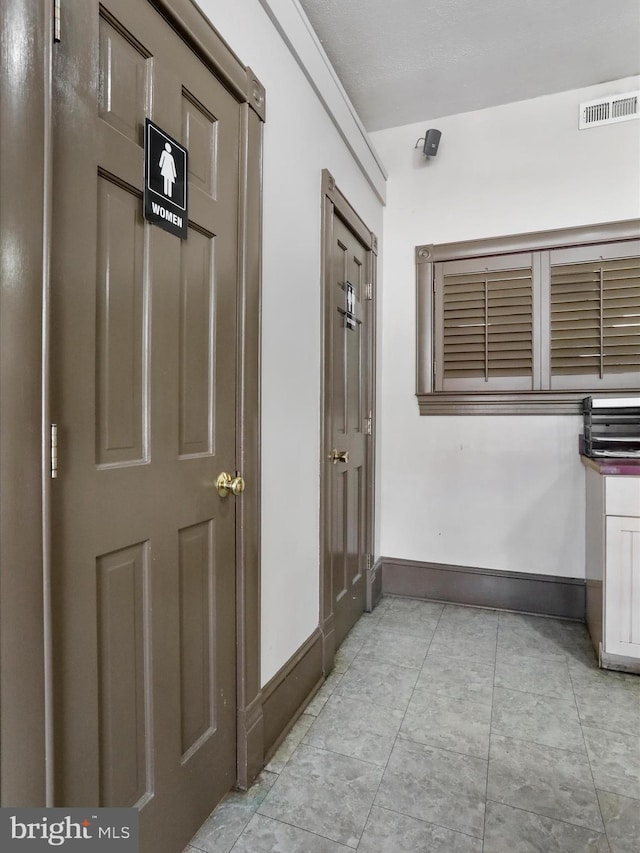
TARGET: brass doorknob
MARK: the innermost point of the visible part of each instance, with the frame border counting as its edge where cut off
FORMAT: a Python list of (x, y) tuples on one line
[(226, 484), (339, 456)]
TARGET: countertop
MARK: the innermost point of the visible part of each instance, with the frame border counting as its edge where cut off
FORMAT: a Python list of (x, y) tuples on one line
[(613, 467)]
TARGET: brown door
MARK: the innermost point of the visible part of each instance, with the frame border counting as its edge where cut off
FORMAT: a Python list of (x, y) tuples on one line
[(348, 402), (143, 385)]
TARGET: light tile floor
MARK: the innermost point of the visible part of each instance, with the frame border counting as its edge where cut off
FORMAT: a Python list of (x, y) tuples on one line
[(447, 729)]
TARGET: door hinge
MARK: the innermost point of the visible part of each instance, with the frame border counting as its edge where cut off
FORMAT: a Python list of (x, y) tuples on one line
[(57, 23), (368, 290), (53, 439), (368, 425), (369, 562)]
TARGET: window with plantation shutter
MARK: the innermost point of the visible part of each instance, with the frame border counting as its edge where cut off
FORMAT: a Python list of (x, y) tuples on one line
[(531, 323), (595, 319), (485, 339)]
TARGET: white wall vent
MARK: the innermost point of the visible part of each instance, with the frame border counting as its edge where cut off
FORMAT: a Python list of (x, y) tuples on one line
[(610, 110)]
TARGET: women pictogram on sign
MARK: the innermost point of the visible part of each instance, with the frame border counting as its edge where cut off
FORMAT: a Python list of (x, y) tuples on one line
[(168, 170), (166, 173)]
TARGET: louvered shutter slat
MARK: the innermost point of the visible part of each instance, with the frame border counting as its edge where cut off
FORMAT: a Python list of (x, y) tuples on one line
[(583, 342), (577, 297), (466, 304), (620, 314)]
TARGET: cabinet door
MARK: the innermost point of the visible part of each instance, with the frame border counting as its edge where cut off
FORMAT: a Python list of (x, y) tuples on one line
[(622, 496), (622, 595)]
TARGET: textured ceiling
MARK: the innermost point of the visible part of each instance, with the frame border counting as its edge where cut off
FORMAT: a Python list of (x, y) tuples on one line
[(402, 61)]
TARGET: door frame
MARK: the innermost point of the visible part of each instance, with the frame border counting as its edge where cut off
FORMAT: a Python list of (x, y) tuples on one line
[(25, 120), (335, 204), (26, 708)]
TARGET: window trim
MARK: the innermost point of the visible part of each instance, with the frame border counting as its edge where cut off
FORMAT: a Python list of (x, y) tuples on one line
[(432, 402)]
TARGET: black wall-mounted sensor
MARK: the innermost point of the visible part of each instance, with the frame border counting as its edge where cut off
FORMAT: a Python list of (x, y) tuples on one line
[(431, 142)]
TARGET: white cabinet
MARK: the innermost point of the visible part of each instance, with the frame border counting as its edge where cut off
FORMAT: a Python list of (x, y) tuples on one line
[(622, 587), (613, 567)]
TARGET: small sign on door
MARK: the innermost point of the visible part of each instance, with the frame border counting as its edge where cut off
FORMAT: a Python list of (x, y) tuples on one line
[(165, 181), (350, 305)]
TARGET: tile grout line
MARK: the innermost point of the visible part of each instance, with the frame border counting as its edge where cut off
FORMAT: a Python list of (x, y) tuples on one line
[(393, 746), (301, 743), (299, 828), (547, 817), (375, 626), (535, 693), (312, 746), (617, 794), (374, 629), (441, 694), (543, 746), (586, 749), (278, 772), (341, 754), (429, 823), (605, 729), (366, 820), (571, 752), (442, 748), (493, 694), (435, 694), (246, 822)]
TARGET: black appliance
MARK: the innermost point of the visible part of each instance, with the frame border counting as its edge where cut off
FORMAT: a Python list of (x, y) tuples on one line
[(612, 427)]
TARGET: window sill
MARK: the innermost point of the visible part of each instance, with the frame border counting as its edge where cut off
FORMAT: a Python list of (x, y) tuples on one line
[(520, 403)]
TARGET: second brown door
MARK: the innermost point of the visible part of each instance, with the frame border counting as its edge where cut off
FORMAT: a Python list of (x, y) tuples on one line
[(349, 418)]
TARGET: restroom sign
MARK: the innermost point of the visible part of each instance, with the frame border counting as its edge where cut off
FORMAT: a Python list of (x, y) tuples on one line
[(165, 181)]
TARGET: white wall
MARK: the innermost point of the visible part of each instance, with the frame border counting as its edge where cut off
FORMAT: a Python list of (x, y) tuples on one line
[(299, 141), (498, 492)]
